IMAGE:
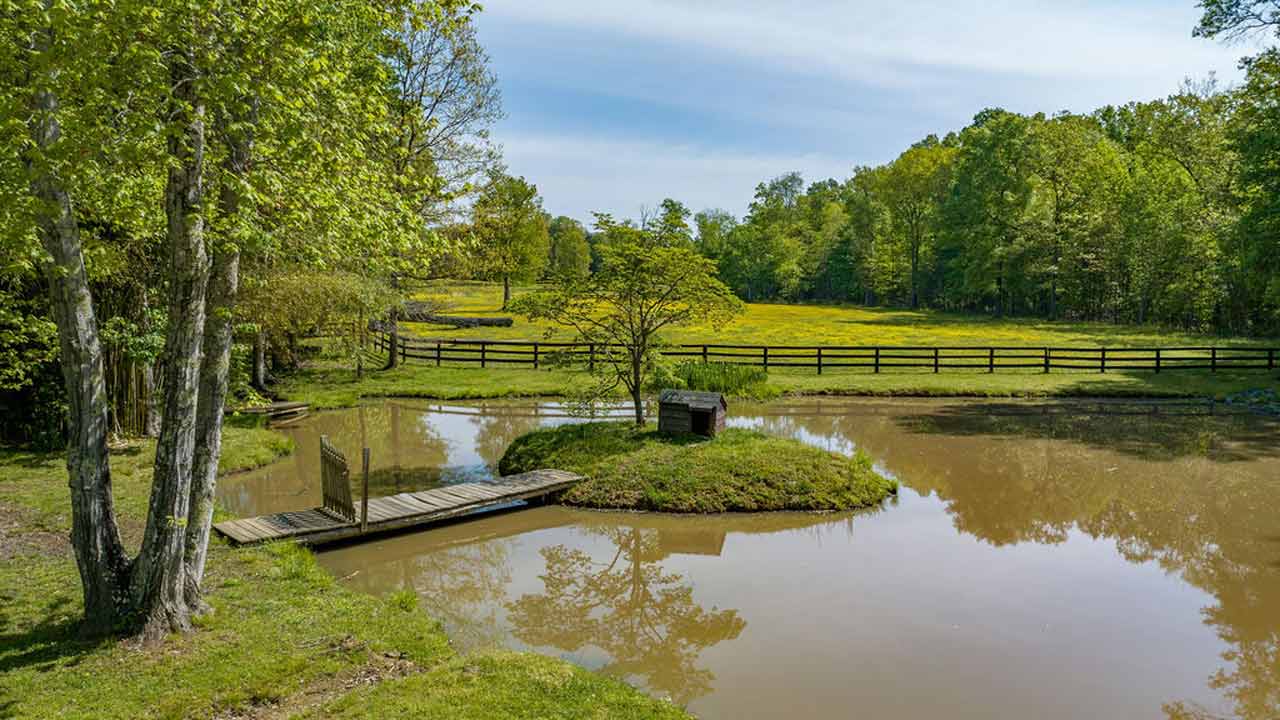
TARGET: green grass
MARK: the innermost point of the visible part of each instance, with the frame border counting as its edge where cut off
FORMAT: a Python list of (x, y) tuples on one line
[(497, 685), (782, 324), (732, 380), (738, 471), (326, 385), (282, 628)]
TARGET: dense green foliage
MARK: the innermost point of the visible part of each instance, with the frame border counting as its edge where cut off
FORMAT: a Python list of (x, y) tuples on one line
[(737, 471), (1132, 214)]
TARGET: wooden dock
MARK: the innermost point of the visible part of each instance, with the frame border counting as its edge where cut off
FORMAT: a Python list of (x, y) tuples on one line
[(395, 512)]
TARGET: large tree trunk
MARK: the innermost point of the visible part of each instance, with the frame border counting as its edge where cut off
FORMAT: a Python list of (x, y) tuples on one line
[(223, 283), (213, 396), (95, 538), (159, 571)]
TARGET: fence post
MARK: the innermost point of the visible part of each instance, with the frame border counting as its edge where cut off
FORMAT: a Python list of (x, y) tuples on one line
[(819, 361), (1102, 361), (704, 354), (1157, 361), (765, 350), (1271, 358), (364, 490), (404, 350), (991, 360), (1213, 359), (535, 356), (877, 358), (484, 346), (1046, 361), (935, 361), (437, 353), (591, 358)]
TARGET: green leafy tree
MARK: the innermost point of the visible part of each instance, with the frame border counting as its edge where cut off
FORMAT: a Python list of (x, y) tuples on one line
[(266, 116), (511, 231), (912, 188), (1233, 19), (570, 253), (639, 290)]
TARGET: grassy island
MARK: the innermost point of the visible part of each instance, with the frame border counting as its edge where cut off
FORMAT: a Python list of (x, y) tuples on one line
[(738, 471)]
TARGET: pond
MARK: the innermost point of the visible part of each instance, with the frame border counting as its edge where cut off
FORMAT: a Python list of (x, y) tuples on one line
[(1049, 560)]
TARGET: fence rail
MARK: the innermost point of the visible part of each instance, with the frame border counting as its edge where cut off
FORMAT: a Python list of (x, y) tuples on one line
[(883, 358)]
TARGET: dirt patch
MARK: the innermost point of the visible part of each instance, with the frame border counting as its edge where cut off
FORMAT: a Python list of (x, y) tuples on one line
[(381, 667), (18, 539)]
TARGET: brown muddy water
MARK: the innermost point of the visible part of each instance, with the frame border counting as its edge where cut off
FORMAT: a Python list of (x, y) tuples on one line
[(1043, 560)]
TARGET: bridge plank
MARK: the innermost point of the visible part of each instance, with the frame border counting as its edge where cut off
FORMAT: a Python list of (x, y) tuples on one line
[(396, 512)]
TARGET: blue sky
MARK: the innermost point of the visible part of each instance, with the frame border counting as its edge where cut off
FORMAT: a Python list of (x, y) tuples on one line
[(613, 106)]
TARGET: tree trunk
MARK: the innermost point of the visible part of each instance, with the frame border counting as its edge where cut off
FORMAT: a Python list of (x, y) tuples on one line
[(216, 365), (260, 360), (213, 396), (159, 571), (636, 400), (506, 291), (151, 413), (915, 266), (95, 538), (393, 359)]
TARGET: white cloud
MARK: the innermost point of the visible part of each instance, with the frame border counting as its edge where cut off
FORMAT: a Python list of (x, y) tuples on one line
[(838, 83), (577, 175), (901, 43)]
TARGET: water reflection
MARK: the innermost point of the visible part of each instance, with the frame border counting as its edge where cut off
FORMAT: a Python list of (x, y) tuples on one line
[(641, 616), (1045, 559), (1192, 491)]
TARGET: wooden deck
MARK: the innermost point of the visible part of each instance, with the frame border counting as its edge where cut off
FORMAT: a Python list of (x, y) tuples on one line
[(397, 512)]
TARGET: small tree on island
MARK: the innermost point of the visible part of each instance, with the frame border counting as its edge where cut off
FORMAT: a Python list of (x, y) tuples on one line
[(620, 309)]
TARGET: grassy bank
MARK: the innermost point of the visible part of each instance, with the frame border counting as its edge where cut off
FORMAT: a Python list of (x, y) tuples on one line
[(325, 386), (738, 471), (284, 640)]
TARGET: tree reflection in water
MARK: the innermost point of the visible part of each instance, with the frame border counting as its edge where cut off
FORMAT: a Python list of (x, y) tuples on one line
[(1191, 491), (643, 617)]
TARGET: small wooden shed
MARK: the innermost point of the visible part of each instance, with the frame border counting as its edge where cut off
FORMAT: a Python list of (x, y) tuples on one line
[(687, 411)]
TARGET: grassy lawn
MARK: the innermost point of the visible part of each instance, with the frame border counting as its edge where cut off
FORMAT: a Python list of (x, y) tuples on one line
[(738, 471), (325, 385), (284, 640), (779, 324)]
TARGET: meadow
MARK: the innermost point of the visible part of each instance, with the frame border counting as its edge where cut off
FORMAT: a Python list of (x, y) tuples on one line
[(793, 324)]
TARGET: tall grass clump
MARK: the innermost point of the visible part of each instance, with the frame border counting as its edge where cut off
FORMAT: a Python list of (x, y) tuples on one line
[(737, 380)]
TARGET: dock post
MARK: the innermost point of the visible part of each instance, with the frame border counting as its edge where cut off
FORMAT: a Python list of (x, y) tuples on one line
[(364, 490)]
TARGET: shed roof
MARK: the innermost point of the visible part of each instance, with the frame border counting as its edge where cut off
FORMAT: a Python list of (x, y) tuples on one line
[(693, 398)]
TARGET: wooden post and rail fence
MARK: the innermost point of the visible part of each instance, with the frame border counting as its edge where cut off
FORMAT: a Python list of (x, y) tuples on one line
[(876, 359)]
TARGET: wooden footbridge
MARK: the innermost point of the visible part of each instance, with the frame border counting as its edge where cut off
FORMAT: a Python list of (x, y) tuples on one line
[(337, 518)]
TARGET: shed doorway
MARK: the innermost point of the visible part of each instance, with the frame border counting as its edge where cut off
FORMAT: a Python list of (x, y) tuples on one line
[(700, 422)]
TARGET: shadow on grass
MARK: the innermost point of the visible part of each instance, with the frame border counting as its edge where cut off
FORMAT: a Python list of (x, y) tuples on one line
[(56, 641), (1148, 430)]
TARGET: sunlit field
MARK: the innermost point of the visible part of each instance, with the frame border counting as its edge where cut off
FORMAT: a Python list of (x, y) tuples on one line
[(781, 324)]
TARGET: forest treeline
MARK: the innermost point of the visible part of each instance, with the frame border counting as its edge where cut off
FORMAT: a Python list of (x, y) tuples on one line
[(1160, 212)]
